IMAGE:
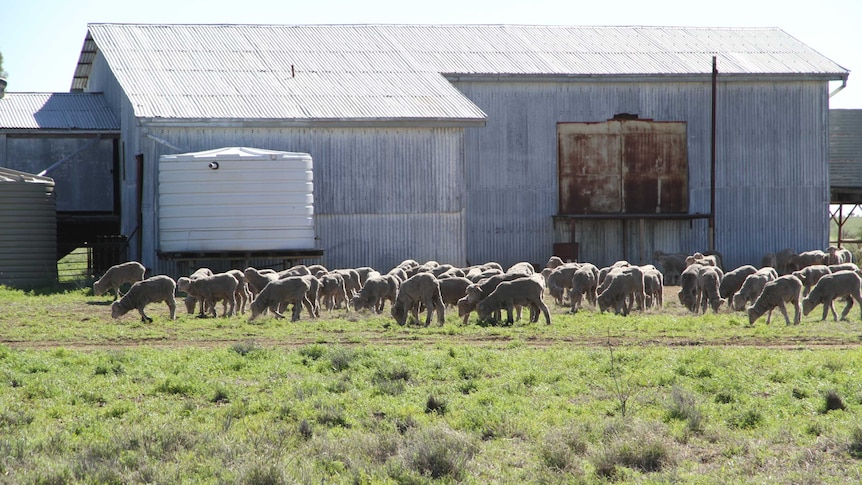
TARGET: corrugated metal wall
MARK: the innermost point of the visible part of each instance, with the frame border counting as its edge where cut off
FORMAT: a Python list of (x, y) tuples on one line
[(845, 147), (771, 163), (382, 195)]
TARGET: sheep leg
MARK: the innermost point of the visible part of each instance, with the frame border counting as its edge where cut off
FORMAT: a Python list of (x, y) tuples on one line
[(172, 306), (297, 310), (784, 312), (509, 306), (847, 308), (144, 317), (438, 307), (544, 309), (308, 306)]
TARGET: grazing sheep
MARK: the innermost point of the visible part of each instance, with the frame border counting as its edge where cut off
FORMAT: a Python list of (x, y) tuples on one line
[(313, 294), (521, 292), (653, 286), (478, 274), (733, 280), (297, 270), (151, 290), (784, 261), (332, 291), (559, 281), (375, 292), (807, 258), (258, 279), (672, 265), (622, 285), (419, 288), (366, 272), (453, 289), (553, 262), (183, 285), (834, 268), (846, 284), (452, 273), (477, 291), (585, 282), (352, 281), (688, 292), (712, 259), (117, 275), (708, 282), (839, 255), (280, 293), (523, 268), (810, 275), (210, 289), (784, 289), (399, 273), (752, 287)]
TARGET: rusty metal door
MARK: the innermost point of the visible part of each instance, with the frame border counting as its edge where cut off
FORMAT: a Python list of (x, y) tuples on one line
[(623, 166)]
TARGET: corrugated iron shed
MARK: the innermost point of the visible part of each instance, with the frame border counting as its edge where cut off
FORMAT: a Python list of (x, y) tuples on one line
[(57, 111), (396, 72), (845, 149)]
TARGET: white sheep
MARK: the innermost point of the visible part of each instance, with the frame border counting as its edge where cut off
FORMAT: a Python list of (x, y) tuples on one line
[(366, 272), (375, 292), (151, 290), (672, 265), (585, 282), (752, 287), (183, 285), (553, 262), (708, 282), (211, 289), (453, 289), (419, 288), (784, 289), (733, 280), (526, 291), (810, 275), (117, 275), (559, 281), (258, 279), (653, 286), (623, 289), (352, 281), (479, 290), (847, 284), (283, 292), (807, 258), (332, 292), (839, 255)]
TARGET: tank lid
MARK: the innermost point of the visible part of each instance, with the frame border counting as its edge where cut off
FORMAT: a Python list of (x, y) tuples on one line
[(9, 175)]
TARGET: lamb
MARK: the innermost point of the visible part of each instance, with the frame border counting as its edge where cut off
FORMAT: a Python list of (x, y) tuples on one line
[(752, 287), (151, 290), (688, 292), (257, 279), (834, 268), (421, 287), (653, 286), (210, 289), (784, 261), (810, 275), (376, 291), (117, 275), (366, 272), (553, 262), (452, 273), (733, 280), (808, 258), (399, 273), (183, 285), (282, 292), (708, 282), (313, 294), (839, 255), (453, 289), (297, 270), (477, 291), (332, 291), (672, 265), (523, 268), (847, 284), (585, 281), (784, 289), (508, 294), (478, 274), (623, 284), (560, 280), (352, 281)]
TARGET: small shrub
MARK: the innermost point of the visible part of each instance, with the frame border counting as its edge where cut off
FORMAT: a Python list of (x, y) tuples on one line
[(438, 452), (560, 448), (329, 415), (245, 348), (833, 402), (855, 445), (435, 405), (220, 396), (799, 393), (724, 397), (748, 419), (642, 453), (174, 386), (263, 475), (341, 358), (683, 406), (312, 352)]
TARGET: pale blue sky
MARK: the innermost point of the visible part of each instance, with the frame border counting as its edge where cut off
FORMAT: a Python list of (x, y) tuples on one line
[(40, 39)]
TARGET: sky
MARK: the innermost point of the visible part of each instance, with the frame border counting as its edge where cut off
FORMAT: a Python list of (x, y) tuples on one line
[(40, 40)]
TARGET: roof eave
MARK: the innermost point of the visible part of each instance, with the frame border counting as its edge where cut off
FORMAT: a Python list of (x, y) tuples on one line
[(678, 77), (314, 122)]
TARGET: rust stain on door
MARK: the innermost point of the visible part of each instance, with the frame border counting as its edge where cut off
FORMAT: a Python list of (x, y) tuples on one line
[(628, 166)]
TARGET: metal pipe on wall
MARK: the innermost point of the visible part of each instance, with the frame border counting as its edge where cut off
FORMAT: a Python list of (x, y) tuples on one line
[(712, 159)]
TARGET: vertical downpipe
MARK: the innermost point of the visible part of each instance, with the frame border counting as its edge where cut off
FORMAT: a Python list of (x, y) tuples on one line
[(712, 161), (139, 199)]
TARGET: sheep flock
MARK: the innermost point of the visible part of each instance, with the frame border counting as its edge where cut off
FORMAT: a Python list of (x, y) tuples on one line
[(802, 280)]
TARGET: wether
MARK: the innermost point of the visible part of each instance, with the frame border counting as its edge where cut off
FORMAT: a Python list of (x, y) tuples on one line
[(847, 284), (477, 291), (453, 289), (553, 262), (839, 255), (257, 279), (672, 265), (522, 268), (520, 291), (807, 258), (708, 283), (688, 282), (366, 272), (352, 281), (332, 291), (419, 288), (622, 284), (399, 273), (559, 281), (585, 281), (834, 268), (376, 291), (282, 292), (784, 289), (117, 275), (297, 270), (653, 286), (752, 287), (733, 280), (183, 285), (151, 290), (210, 289), (810, 275)]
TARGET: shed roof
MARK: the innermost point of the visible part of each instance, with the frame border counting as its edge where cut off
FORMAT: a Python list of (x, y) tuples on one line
[(373, 72), (57, 111)]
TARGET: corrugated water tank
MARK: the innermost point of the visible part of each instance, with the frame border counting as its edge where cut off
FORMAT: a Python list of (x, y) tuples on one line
[(236, 199), (28, 238)]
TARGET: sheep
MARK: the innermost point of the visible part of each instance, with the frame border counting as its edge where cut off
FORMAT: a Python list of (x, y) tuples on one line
[(297, 270), (847, 284), (810, 275), (526, 291), (752, 287), (366, 272), (116, 276), (477, 291), (352, 281), (258, 279), (478, 274), (807, 258), (672, 265), (784, 261), (453, 289), (316, 269), (834, 268), (559, 281), (313, 294), (399, 273), (421, 287), (653, 286), (708, 282), (585, 281), (623, 283), (688, 282), (784, 289), (553, 262), (282, 292), (151, 290), (711, 259), (183, 285), (376, 291), (733, 280), (210, 289), (839, 255), (440, 269), (332, 291), (523, 268), (452, 273)]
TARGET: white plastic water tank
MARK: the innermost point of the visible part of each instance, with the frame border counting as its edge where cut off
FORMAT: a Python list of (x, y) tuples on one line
[(236, 199)]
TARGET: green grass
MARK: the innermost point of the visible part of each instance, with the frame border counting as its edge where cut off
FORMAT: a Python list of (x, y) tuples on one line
[(357, 399)]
